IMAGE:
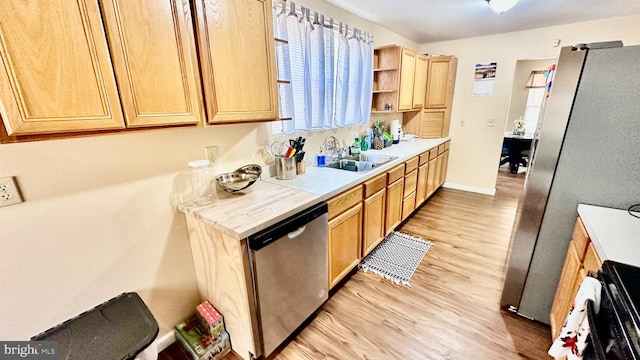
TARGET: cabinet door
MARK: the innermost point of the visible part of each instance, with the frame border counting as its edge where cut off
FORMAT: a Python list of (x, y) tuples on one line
[(444, 166), (408, 205), (421, 187), (431, 124), (55, 71), (431, 176), (236, 49), (439, 169), (407, 73), (345, 235), (154, 54), (373, 224), (564, 292), (438, 82), (420, 82), (394, 205)]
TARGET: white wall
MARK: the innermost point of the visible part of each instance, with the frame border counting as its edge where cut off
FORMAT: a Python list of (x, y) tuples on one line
[(475, 147), (98, 219)]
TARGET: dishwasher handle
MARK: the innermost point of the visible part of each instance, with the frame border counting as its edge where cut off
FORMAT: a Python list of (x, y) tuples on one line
[(297, 233)]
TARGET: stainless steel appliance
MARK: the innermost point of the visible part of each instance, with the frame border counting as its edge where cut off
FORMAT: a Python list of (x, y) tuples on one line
[(614, 325), (290, 274), (586, 150)]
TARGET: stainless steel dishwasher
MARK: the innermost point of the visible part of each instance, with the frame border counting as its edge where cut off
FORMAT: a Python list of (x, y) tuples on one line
[(290, 274)]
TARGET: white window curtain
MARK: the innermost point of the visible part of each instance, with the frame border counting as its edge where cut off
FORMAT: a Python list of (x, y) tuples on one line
[(327, 70)]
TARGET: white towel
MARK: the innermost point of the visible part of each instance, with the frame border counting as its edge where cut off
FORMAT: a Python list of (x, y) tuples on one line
[(573, 337)]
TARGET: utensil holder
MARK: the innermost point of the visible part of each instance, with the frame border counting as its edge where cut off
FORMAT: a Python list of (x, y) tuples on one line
[(286, 168)]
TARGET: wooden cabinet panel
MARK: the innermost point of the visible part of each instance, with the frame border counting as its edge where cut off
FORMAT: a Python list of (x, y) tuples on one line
[(395, 174), (581, 238), (438, 82), (56, 73), (410, 181), (431, 123), (394, 205), (237, 60), (407, 73), (374, 185), (154, 55), (344, 201), (439, 168), (431, 176), (564, 299), (411, 164), (373, 224), (345, 235), (445, 165), (408, 205), (424, 158), (420, 82), (421, 187), (591, 260)]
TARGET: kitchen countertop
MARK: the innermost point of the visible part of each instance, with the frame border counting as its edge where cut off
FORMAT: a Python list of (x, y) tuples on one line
[(328, 182), (244, 214), (271, 200), (614, 233)]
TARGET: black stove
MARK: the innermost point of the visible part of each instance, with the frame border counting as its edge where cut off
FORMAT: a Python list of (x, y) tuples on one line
[(615, 330)]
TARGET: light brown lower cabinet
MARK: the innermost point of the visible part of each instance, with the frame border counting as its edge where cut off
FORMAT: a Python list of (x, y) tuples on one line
[(409, 194), (373, 224), (581, 258), (345, 233), (431, 176), (375, 193), (421, 187), (444, 165), (394, 205)]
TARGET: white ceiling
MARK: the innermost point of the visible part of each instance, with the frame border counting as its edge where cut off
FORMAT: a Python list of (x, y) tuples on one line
[(425, 21)]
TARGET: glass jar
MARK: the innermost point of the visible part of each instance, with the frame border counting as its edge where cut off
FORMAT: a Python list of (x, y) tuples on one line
[(203, 187)]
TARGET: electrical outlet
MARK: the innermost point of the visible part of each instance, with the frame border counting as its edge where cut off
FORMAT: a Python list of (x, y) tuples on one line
[(9, 192), (212, 154), (490, 122)]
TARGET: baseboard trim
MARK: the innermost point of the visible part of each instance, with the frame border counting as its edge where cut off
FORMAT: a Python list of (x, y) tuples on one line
[(473, 189), (165, 340)]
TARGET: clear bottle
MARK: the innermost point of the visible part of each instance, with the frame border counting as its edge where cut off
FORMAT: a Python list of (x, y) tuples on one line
[(203, 186)]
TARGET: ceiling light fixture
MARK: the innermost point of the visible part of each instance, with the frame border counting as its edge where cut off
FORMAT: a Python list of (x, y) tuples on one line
[(501, 6)]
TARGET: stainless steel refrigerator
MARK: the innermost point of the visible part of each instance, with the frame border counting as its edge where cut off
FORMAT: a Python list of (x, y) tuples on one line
[(586, 150)]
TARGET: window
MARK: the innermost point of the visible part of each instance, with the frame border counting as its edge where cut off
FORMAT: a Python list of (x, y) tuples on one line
[(325, 71)]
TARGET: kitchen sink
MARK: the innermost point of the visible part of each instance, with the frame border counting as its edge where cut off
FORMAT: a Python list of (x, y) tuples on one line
[(361, 162)]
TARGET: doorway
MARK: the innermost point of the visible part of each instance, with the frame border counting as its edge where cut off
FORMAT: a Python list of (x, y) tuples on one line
[(527, 97)]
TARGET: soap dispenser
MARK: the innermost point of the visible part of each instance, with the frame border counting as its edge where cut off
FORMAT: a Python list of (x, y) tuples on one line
[(355, 147)]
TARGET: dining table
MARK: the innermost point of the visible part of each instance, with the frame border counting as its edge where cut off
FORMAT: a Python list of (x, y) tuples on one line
[(515, 145)]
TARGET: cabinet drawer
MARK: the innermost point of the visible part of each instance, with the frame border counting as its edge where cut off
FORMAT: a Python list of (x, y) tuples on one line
[(344, 201), (581, 238), (410, 181), (374, 185), (433, 153), (424, 158), (440, 149), (395, 174), (591, 261), (411, 165), (446, 145)]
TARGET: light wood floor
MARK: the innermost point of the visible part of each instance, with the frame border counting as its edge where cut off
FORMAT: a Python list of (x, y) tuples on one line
[(452, 309)]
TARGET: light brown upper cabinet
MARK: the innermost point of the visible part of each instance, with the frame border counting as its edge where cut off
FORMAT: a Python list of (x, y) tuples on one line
[(56, 74), (420, 82), (237, 59), (440, 82), (154, 54), (407, 75)]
